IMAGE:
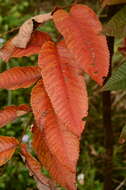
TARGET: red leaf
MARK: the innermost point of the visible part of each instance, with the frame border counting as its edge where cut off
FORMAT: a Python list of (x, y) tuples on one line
[(81, 30), (10, 113), (8, 146), (33, 47), (56, 134), (65, 87), (19, 77), (7, 50), (61, 174), (35, 169), (22, 109)]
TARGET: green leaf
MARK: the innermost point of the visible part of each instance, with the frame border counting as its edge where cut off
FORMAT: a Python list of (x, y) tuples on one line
[(117, 80), (117, 25)]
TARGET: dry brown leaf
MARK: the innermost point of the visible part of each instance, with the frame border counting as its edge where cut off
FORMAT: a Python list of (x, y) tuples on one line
[(22, 38)]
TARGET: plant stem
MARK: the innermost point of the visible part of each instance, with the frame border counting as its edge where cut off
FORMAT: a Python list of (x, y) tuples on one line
[(108, 132), (106, 100)]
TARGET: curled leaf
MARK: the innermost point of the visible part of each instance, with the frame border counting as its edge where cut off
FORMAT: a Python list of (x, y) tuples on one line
[(19, 77), (24, 35), (8, 146), (10, 113)]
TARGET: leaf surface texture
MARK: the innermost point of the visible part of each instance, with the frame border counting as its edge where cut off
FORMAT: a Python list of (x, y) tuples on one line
[(65, 87), (81, 30), (19, 77)]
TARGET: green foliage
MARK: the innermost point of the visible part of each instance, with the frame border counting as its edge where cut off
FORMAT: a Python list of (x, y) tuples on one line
[(15, 177), (117, 25), (117, 80)]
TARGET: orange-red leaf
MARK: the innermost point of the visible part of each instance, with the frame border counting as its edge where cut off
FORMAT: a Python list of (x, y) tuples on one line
[(33, 47), (61, 174), (7, 50), (65, 87), (61, 142), (19, 77), (10, 113), (8, 146), (81, 30), (35, 169)]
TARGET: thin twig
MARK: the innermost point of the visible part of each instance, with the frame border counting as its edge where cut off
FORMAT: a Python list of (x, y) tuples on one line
[(10, 31), (120, 185)]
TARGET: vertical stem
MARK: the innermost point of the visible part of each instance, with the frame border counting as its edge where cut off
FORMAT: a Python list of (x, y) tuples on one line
[(106, 100), (108, 133)]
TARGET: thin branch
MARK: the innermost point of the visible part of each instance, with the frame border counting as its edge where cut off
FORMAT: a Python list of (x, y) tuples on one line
[(120, 185), (10, 31)]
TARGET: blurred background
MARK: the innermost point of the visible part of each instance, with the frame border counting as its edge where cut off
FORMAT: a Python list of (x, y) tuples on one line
[(90, 171)]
